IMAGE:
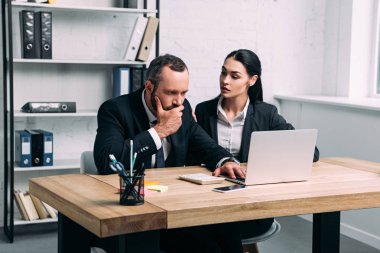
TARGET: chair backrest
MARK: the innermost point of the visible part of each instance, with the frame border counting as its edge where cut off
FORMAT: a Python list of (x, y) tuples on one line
[(87, 163)]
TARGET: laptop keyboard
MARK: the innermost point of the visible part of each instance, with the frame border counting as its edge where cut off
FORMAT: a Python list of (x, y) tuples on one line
[(238, 180)]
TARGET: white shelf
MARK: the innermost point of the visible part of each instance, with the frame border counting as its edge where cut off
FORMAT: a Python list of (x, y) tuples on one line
[(84, 113), (82, 8), (63, 61), (26, 222), (64, 164)]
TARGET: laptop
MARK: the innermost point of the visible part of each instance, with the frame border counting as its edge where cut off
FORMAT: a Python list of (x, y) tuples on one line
[(279, 156)]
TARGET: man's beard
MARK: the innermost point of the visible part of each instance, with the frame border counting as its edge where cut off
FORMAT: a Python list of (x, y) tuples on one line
[(154, 104)]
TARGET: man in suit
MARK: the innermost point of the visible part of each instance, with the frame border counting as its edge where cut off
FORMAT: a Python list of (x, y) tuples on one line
[(159, 120)]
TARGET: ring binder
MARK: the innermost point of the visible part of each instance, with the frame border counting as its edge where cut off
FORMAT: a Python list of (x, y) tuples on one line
[(43, 22), (29, 48)]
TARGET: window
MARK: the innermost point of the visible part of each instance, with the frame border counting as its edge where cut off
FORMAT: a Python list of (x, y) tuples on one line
[(376, 89)]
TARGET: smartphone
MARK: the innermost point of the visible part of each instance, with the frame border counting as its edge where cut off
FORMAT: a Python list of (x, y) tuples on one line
[(235, 187)]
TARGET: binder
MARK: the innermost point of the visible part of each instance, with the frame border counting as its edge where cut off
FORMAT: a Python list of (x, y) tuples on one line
[(136, 37), (47, 155), (121, 79), (147, 40), (23, 143), (29, 206), (20, 205), (43, 23), (52, 212), (49, 107), (134, 4), (29, 47), (37, 148), (137, 78), (41, 210)]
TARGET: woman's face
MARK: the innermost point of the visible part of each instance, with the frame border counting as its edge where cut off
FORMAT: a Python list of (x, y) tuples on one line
[(234, 79)]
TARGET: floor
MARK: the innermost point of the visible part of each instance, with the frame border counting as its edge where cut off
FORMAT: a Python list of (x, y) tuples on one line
[(295, 237)]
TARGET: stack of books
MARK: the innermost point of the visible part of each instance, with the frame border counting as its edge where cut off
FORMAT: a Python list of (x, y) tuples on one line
[(32, 208)]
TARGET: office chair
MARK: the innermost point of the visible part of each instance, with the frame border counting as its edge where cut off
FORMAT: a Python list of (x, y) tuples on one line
[(87, 163), (250, 244)]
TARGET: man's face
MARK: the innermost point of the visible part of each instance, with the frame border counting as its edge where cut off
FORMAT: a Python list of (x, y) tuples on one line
[(171, 90)]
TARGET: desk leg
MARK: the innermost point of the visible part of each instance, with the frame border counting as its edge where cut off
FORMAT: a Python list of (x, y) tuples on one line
[(73, 238), (326, 232), (142, 242)]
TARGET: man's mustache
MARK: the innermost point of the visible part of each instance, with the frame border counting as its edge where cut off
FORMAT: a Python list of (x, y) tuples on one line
[(168, 108)]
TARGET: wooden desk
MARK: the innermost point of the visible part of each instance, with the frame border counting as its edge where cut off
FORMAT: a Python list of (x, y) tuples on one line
[(90, 202)]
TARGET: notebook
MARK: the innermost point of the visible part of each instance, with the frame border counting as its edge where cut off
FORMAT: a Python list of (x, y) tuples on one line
[(279, 156)]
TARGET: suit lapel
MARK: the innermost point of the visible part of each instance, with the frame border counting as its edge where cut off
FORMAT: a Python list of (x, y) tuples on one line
[(138, 112), (213, 127), (213, 120), (247, 130)]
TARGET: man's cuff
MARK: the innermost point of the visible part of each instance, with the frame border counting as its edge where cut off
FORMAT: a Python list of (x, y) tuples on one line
[(227, 159), (155, 137)]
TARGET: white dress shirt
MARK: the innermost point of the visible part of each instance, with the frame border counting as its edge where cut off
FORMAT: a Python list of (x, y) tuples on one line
[(230, 134), (166, 146)]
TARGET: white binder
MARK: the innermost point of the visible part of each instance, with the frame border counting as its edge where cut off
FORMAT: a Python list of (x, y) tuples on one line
[(136, 37)]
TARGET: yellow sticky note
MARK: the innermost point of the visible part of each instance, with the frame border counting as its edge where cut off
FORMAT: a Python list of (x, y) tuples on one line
[(151, 182), (158, 188)]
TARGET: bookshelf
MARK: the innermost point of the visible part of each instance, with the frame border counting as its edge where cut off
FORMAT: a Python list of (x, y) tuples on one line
[(88, 42)]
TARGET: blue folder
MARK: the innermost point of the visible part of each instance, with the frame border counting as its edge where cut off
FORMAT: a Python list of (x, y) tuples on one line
[(23, 141)]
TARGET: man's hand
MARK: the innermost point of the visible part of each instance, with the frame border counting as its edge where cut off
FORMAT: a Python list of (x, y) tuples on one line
[(168, 122), (231, 169)]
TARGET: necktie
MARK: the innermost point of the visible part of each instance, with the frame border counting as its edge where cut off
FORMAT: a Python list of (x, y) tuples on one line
[(160, 160)]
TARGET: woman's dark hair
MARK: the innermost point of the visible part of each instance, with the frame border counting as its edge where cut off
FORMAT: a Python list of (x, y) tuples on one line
[(252, 64)]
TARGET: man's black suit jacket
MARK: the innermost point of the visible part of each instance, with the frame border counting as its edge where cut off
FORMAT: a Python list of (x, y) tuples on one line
[(124, 118), (260, 117)]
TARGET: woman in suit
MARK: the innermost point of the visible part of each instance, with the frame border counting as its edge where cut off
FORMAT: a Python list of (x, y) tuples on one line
[(239, 110)]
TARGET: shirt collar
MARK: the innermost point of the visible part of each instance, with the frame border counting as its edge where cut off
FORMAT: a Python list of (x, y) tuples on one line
[(150, 115), (242, 114)]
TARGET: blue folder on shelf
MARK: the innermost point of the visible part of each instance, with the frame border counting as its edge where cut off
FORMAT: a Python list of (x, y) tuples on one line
[(23, 142), (121, 81)]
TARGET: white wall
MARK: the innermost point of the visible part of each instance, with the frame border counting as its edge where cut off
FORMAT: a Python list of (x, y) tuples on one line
[(286, 34)]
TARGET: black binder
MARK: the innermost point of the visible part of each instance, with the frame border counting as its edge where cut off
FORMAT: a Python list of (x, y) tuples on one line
[(37, 148), (28, 37), (136, 79), (43, 24)]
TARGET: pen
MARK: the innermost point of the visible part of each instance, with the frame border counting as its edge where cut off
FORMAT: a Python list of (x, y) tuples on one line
[(134, 159), (131, 161)]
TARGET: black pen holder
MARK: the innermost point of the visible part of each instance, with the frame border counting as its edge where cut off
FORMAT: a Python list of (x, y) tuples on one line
[(132, 190)]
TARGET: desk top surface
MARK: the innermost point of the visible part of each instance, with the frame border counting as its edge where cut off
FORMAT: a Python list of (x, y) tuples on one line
[(336, 184)]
